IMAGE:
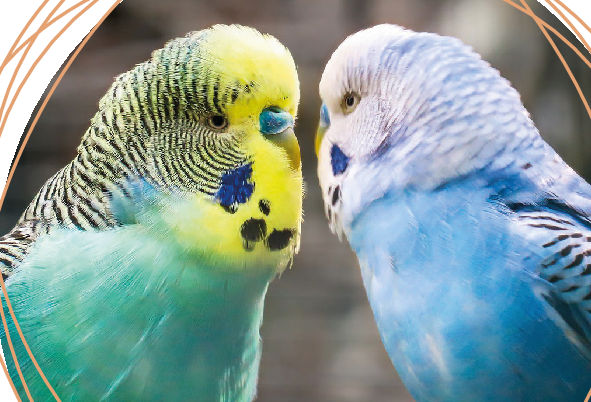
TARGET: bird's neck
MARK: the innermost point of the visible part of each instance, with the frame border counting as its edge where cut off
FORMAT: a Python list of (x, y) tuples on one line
[(399, 220), (209, 334)]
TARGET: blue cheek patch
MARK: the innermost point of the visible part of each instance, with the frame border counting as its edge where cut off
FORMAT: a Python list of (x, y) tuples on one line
[(338, 160), (236, 187), (274, 120), (324, 117)]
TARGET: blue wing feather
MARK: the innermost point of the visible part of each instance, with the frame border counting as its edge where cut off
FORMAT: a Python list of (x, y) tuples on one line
[(463, 303)]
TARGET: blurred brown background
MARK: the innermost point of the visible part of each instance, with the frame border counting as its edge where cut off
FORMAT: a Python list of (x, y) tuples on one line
[(320, 341)]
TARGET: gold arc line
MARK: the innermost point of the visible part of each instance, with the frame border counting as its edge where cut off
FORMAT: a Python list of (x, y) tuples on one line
[(24, 55), (13, 53), (38, 113), (576, 17), (571, 76), (59, 79), (16, 71), (2, 285), (561, 4), (12, 351), (11, 82), (27, 25), (11, 384), (11, 347), (562, 38), (554, 31), (37, 60), (541, 25), (570, 24), (50, 23), (8, 304), (517, 6)]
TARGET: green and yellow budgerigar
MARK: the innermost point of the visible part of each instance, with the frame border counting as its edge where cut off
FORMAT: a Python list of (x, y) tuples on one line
[(139, 271)]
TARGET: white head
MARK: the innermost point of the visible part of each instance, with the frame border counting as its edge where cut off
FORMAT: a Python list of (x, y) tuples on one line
[(410, 111)]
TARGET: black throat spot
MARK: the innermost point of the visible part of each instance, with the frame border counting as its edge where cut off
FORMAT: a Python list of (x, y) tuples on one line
[(279, 239)]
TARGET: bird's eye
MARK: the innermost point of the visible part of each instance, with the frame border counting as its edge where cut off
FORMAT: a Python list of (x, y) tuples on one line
[(350, 102), (217, 122)]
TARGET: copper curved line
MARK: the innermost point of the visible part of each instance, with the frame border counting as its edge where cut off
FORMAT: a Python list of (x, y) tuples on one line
[(572, 78), (570, 24), (523, 10), (580, 21), (564, 63), (74, 55), (11, 54), (18, 367), (27, 25), (8, 304), (16, 71), (554, 31), (4, 119), (539, 22), (26, 138), (562, 38), (32, 38), (542, 25), (11, 384)]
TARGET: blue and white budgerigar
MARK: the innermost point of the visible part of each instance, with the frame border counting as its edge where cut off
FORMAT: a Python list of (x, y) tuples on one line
[(139, 271), (473, 236)]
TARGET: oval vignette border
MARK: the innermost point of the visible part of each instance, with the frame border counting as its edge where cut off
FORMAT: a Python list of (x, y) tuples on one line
[(20, 49)]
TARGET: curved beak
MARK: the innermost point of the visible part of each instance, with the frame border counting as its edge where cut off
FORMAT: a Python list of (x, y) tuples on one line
[(277, 126), (323, 124), (320, 131), (288, 141)]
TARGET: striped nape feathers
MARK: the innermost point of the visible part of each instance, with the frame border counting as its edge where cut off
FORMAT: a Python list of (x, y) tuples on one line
[(188, 120)]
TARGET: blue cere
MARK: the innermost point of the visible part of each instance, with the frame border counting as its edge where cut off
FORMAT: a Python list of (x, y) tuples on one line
[(236, 187), (338, 160), (324, 117), (274, 120)]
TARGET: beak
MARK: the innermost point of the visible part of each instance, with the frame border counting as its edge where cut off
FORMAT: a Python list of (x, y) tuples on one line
[(319, 136), (277, 126), (323, 124), (288, 141)]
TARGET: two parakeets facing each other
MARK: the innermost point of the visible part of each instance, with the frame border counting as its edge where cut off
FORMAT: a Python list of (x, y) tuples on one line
[(472, 234), (139, 271)]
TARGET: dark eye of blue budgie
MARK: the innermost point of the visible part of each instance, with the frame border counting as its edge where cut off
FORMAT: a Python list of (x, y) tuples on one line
[(338, 160)]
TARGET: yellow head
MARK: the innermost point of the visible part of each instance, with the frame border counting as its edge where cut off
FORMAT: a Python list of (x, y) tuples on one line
[(226, 140)]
